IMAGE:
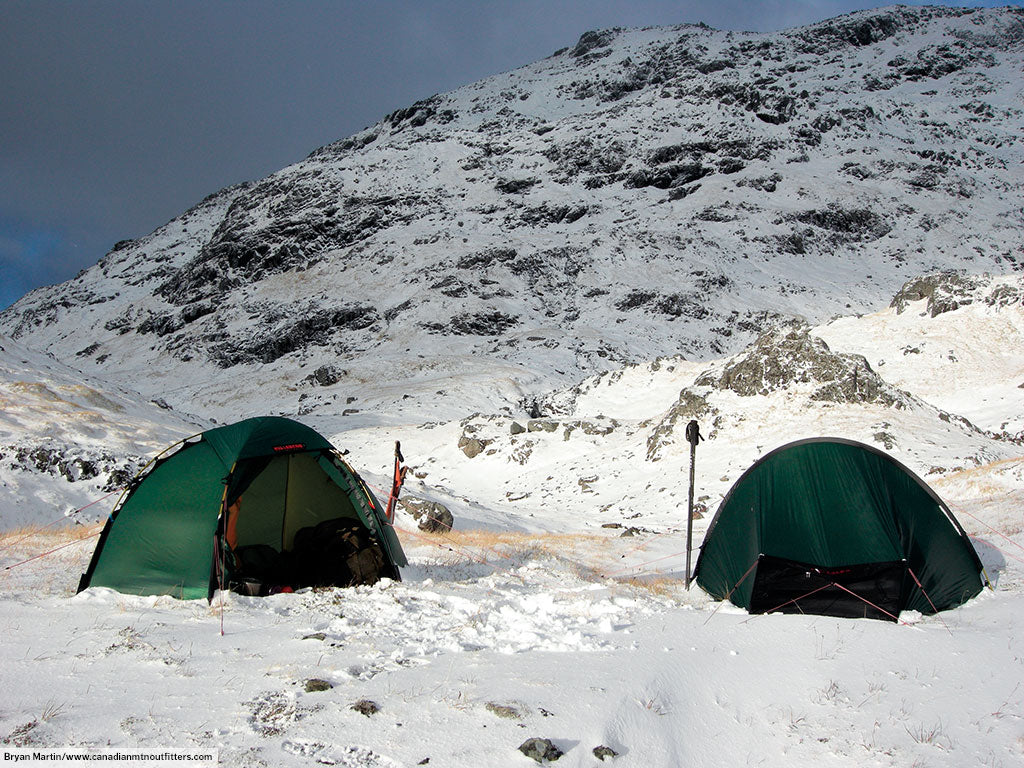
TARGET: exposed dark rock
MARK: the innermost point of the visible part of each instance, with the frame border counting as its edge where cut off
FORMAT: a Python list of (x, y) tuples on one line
[(72, 464), (366, 707), (938, 61), (854, 30), (795, 243), (586, 156), (673, 305), (486, 258), (310, 328), (86, 352), (762, 183), (433, 516), (540, 750), (161, 325), (715, 214), (315, 684), (452, 286), (668, 176), (929, 177), (326, 375), (788, 356), (301, 230), (857, 224), (944, 291), (730, 165), (553, 214), (476, 324), (602, 752), (515, 186), (767, 100), (193, 312), (593, 40), (417, 115)]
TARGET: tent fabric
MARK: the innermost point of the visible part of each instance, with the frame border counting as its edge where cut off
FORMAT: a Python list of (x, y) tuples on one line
[(831, 507), (252, 485), (163, 540)]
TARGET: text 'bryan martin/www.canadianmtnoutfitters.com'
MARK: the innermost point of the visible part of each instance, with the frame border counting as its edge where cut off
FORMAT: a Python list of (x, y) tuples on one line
[(32, 757)]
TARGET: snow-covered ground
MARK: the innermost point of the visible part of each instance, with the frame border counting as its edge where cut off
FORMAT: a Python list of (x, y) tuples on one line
[(533, 619), (489, 642)]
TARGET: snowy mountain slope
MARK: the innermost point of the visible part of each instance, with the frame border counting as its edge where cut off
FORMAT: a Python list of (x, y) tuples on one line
[(954, 341), (642, 193), (611, 451), (67, 438)]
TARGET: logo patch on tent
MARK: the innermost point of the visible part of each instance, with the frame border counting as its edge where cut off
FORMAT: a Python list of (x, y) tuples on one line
[(292, 447)]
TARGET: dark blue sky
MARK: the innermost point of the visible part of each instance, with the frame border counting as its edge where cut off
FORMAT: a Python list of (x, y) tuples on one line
[(118, 115)]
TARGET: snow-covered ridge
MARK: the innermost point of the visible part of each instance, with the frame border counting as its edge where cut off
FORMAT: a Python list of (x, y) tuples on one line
[(643, 193)]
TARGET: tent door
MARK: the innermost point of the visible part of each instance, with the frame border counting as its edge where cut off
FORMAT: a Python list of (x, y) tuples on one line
[(786, 586)]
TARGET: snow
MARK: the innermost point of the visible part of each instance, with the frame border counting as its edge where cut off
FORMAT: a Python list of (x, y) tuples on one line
[(557, 608), (535, 629), (532, 619)]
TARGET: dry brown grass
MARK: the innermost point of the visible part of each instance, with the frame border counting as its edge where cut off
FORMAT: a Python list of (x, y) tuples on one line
[(509, 545), (53, 535), (521, 541), (587, 556), (973, 473), (663, 586)]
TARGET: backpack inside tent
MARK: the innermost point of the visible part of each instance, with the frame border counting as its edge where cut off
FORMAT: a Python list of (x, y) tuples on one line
[(834, 527), (261, 506)]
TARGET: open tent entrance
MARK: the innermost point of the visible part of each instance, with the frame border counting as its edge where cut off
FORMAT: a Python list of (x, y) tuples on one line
[(289, 523), (869, 590)]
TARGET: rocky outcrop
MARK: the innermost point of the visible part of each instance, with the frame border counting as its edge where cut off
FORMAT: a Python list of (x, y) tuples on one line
[(948, 291), (73, 464), (541, 750), (669, 429), (432, 516), (945, 292), (788, 356)]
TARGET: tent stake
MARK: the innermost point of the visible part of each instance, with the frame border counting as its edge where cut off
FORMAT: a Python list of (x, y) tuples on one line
[(693, 436)]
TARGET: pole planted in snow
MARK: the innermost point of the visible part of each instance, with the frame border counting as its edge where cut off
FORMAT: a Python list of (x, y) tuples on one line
[(693, 436)]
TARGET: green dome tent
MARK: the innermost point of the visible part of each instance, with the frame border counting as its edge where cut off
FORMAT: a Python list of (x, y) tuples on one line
[(263, 505), (834, 527)]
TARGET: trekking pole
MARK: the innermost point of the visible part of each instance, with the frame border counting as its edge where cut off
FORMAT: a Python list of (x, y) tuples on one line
[(396, 483), (693, 436)]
